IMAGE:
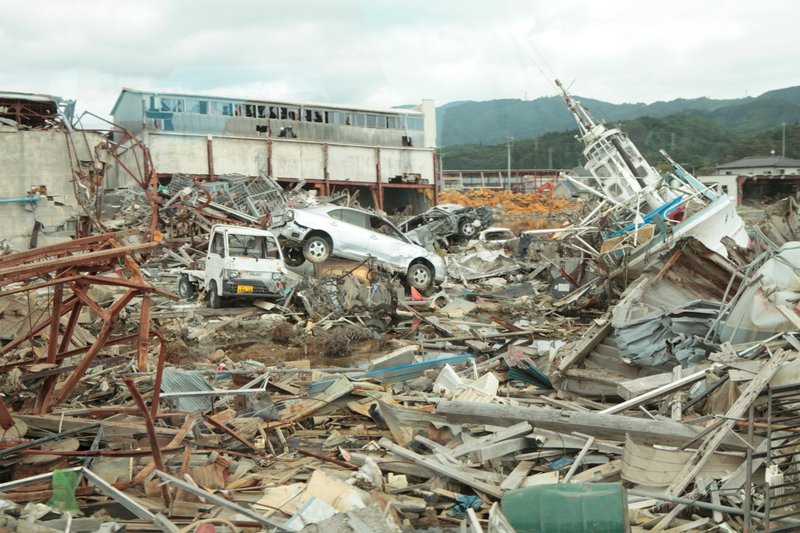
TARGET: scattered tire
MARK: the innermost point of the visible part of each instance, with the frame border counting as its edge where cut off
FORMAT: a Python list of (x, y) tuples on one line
[(317, 249), (293, 257), (420, 276)]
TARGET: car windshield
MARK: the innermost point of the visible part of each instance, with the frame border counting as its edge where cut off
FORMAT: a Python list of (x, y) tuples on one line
[(379, 225), (254, 246)]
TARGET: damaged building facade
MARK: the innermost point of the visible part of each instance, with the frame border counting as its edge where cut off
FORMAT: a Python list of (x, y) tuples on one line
[(387, 155), (40, 157)]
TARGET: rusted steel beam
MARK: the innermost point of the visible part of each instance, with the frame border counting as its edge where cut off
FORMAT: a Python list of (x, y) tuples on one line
[(5, 417), (56, 250), (162, 355), (96, 453), (176, 441), (33, 287), (94, 280), (62, 355), (99, 344), (151, 435), (78, 373), (144, 334), (233, 434), (69, 329), (66, 306), (89, 302), (26, 271), (46, 390)]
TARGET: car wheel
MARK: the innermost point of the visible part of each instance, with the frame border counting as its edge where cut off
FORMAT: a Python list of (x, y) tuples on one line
[(420, 276), (214, 298), (293, 257), (467, 228), (317, 249), (186, 288)]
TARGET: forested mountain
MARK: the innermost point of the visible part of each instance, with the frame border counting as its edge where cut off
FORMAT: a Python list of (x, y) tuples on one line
[(693, 139), (702, 132)]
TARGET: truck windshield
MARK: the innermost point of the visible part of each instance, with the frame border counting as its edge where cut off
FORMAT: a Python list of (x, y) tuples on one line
[(255, 246)]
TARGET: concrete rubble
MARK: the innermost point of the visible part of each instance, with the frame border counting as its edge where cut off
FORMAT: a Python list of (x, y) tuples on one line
[(637, 344)]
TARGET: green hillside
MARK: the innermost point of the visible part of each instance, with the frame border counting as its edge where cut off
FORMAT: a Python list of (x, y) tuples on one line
[(490, 122), (695, 140)]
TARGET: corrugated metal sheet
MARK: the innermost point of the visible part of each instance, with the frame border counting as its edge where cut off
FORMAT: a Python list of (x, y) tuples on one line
[(177, 380)]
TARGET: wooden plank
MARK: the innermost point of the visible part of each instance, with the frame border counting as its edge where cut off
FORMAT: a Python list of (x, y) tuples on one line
[(612, 427), (112, 429), (517, 476), (590, 340), (737, 410), (443, 470), (499, 449), (612, 469), (506, 433)]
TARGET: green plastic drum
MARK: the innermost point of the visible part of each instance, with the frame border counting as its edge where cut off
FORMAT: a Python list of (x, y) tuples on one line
[(568, 508)]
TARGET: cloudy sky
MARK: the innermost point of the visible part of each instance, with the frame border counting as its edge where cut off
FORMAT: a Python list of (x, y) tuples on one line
[(386, 53)]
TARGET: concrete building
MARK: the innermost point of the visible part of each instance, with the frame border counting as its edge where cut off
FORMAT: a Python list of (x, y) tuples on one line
[(388, 155), (755, 178), (40, 156)]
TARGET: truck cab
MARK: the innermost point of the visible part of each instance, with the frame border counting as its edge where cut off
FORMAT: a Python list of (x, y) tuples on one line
[(240, 263)]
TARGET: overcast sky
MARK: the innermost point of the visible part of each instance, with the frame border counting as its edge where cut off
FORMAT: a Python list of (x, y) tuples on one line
[(386, 53)]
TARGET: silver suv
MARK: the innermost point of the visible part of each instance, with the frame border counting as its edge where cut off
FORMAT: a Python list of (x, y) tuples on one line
[(316, 233)]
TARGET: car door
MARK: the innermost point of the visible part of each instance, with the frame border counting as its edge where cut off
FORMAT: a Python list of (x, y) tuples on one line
[(387, 243), (215, 257), (350, 234)]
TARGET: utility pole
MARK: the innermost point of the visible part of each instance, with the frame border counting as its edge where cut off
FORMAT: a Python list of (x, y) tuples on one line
[(509, 142), (783, 141)]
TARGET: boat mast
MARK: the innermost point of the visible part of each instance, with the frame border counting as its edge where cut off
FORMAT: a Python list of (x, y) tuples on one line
[(614, 161)]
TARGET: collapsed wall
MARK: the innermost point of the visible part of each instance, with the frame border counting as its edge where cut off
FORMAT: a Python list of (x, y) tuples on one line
[(39, 155)]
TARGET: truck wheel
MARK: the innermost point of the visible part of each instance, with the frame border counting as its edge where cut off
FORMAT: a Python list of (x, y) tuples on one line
[(420, 276), (186, 288), (317, 249), (214, 298), (293, 257)]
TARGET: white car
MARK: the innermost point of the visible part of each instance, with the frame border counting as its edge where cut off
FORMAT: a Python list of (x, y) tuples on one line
[(317, 232)]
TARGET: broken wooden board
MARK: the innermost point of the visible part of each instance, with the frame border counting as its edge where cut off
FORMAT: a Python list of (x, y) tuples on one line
[(612, 427)]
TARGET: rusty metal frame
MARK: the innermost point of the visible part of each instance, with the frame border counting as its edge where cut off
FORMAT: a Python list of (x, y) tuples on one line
[(71, 274)]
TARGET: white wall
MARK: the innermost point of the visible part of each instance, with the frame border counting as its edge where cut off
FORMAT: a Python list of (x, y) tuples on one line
[(33, 158), (291, 158), (728, 183)]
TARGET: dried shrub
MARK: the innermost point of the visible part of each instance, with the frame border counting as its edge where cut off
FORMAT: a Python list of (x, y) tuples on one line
[(336, 341), (283, 333)]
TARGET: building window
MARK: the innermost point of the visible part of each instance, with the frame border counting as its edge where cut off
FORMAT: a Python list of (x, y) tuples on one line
[(361, 119), (195, 106), (372, 121), (172, 104), (250, 110), (289, 113), (415, 123), (262, 111), (393, 123)]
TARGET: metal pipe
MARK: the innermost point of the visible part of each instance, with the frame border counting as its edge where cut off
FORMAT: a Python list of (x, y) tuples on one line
[(701, 505), (21, 200), (203, 494)]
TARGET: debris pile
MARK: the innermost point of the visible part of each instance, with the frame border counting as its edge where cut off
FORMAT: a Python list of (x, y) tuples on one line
[(635, 367)]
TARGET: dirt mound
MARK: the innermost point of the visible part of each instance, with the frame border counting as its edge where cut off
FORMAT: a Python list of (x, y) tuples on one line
[(512, 203)]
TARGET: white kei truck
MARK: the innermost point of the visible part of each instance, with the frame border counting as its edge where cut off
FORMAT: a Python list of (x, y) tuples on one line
[(241, 263)]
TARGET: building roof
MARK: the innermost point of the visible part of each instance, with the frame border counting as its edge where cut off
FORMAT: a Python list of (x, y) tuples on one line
[(774, 161), (392, 110), (28, 97)]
